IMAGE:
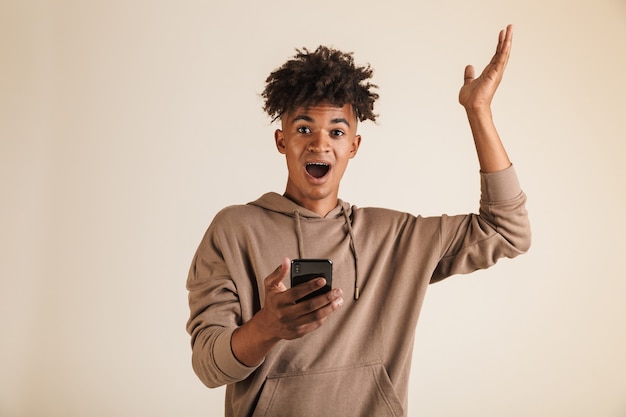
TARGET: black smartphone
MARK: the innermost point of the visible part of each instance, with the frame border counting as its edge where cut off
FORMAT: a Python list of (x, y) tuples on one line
[(303, 270)]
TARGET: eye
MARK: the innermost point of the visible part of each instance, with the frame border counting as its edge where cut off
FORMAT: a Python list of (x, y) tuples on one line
[(337, 132), (304, 130)]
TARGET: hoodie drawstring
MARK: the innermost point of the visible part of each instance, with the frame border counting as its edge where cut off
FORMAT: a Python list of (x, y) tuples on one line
[(357, 290), (299, 234)]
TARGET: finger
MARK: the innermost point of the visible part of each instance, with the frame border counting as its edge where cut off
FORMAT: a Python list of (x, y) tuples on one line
[(501, 36), (501, 57), (324, 305), (278, 275), (317, 309), (505, 40), (509, 34), (469, 74), (304, 289), (311, 314)]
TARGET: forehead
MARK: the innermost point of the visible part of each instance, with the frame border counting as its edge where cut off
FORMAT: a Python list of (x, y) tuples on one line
[(322, 112)]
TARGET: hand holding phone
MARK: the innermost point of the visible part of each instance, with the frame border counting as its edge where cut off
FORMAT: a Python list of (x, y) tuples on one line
[(303, 270)]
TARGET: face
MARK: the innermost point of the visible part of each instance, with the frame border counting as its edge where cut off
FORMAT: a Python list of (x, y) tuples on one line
[(317, 142)]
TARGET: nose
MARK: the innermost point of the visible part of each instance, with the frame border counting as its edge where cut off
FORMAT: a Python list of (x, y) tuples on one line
[(319, 142)]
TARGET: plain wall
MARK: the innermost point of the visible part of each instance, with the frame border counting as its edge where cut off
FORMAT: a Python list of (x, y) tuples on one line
[(126, 125)]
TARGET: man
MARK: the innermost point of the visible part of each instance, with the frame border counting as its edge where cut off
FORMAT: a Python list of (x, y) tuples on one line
[(346, 352)]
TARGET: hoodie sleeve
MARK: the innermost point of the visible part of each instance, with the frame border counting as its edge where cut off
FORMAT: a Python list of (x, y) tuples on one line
[(215, 312), (500, 229)]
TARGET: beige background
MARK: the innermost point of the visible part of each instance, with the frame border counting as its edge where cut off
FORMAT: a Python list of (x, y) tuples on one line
[(126, 125)]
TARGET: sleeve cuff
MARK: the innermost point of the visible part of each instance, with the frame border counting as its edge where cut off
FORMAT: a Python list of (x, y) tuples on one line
[(225, 358), (499, 186)]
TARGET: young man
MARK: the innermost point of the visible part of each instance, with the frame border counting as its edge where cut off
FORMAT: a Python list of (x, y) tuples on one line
[(346, 352)]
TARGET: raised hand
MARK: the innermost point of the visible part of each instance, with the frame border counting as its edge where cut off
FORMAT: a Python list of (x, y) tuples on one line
[(477, 93)]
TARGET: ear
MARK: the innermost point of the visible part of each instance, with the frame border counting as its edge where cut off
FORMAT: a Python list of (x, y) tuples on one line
[(356, 142), (279, 138)]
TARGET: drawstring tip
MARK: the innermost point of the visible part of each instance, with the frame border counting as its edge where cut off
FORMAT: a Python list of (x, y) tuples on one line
[(357, 293)]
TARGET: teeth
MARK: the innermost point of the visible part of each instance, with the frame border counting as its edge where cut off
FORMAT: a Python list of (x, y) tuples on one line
[(321, 164)]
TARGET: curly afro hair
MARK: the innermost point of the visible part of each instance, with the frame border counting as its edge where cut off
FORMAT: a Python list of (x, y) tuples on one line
[(310, 78)]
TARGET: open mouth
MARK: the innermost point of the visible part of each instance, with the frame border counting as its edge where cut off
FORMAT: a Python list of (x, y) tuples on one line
[(317, 169)]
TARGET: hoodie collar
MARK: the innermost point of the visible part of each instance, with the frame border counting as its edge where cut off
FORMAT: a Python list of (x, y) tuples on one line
[(281, 204)]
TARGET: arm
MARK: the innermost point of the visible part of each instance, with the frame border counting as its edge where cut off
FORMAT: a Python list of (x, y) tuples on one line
[(230, 334), (476, 96), (501, 229)]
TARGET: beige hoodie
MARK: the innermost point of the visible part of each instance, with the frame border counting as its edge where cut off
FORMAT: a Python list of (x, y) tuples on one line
[(358, 362)]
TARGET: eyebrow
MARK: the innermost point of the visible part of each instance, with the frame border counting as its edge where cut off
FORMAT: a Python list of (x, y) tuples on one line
[(310, 119)]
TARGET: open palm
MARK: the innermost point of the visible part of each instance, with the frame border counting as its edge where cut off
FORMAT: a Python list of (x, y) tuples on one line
[(477, 93)]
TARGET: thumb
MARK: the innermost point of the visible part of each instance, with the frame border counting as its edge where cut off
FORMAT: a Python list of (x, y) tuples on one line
[(469, 74), (275, 279)]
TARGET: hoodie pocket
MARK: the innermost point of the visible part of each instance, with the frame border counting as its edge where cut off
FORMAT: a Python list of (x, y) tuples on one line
[(358, 391)]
